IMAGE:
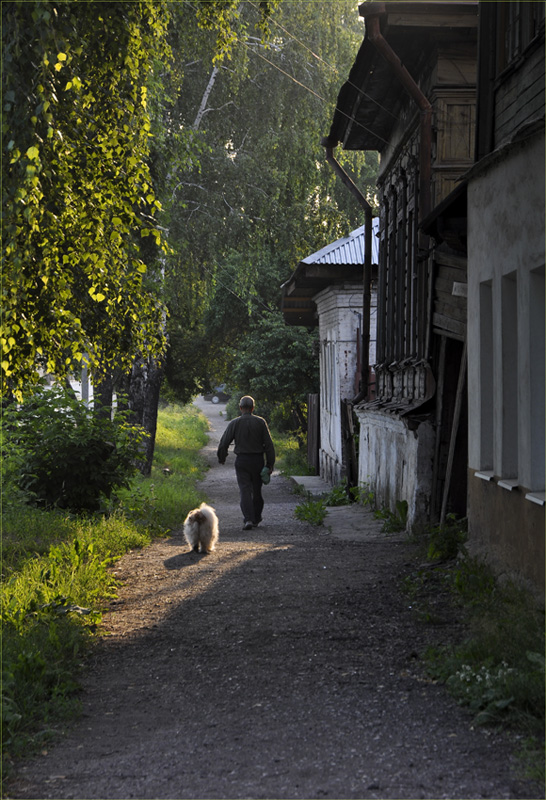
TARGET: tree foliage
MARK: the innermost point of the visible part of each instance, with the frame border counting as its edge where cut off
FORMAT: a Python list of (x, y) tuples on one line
[(164, 154), (77, 189), (278, 364), (260, 196), (84, 84)]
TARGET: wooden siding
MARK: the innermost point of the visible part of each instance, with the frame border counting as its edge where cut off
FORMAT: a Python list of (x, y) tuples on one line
[(449, 315), (455, 112), (313, 432), (520, 96)]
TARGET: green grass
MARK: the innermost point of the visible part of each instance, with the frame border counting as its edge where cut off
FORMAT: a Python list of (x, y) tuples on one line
[(291, 454), (496, 667), (162, 501), (313, 511), (57, 580)]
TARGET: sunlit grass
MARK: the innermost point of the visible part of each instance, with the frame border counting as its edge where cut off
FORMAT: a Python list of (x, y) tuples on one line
[(57, 579), (163, 500), (291, 454)]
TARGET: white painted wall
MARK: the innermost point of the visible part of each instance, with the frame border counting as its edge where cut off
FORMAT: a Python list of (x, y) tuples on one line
[(340, 317), (395, 462)]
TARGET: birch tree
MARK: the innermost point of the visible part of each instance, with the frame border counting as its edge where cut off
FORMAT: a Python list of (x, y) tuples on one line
[(263, 196)]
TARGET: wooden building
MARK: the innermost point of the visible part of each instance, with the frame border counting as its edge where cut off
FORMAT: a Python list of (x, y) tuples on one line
[(411, 95)]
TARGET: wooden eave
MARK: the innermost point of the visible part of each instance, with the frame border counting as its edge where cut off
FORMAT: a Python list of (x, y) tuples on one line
[(448, 222), (369, 103), (297, 304)]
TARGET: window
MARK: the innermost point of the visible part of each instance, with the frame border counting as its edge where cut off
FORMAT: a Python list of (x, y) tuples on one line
[(486, 376), (537, 378), (507, 460), (518, 24)]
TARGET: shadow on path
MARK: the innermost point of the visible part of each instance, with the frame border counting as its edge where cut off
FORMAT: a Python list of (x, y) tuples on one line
[(283, 665)]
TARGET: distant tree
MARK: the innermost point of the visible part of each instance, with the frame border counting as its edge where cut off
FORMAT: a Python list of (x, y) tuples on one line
[(260, 196), (278, 364)]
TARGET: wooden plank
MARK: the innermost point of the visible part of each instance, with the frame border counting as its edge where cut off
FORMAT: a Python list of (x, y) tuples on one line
[(458, 314), (450, 260), (302, 296), (444, 285), (335, 272), (456, 417), (445, 323), (514, 105), (451, 274), (450, 301), (460, 337), (450, 287), (439, 409), (313, 432), (431, 17)]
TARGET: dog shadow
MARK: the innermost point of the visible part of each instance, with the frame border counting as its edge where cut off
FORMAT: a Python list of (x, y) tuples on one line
[(183, 560)]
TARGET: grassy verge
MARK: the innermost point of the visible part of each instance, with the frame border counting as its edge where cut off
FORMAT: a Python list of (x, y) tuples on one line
[(291, 454), (496, 666), (162, 501), (57, 581)]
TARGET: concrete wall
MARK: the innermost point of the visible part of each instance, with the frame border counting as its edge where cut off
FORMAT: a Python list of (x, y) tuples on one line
[(506, 355), (340, 316), (506, 530), (396, 462)]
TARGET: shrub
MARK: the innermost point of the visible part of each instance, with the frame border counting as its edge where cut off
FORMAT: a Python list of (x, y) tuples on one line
[(61, 454), (447, 541), (394, 521), (313, 511)]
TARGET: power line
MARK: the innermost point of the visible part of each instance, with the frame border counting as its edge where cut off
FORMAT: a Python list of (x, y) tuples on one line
[(302, 85), (238, 296), (327, 64), (312, 91)]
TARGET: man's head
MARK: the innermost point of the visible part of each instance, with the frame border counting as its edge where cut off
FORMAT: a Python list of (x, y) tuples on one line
[(246, 404)]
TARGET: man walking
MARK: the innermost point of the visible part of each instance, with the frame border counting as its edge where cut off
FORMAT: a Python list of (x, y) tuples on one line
[(252, 442)]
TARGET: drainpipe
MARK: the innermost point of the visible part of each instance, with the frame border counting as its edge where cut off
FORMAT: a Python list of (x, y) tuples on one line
[(373, 32), (367, 290)]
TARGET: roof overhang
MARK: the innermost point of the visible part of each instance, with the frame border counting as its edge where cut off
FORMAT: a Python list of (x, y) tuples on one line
[(298, 306), (369, 103), (340, 262), (448, 222)]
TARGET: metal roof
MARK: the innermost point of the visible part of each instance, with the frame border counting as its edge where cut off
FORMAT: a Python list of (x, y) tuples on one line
[(339, 262), (349, 250)]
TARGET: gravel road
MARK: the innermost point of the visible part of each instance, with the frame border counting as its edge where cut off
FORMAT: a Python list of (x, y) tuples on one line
[(284, 665)]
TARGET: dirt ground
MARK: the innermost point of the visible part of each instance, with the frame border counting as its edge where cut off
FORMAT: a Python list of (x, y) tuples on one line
[(284, 665)]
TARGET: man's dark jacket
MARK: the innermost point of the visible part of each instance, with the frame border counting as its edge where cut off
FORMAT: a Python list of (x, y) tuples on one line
[(251, 436)]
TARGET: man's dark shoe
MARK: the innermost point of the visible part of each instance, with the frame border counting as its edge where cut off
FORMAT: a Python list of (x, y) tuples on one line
[(247, 526)]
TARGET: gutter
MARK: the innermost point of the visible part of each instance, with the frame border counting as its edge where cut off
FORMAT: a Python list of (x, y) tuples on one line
[(367, 277), (373, 32)]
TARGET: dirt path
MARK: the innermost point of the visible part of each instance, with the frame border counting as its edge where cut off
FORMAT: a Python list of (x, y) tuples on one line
[(285, 665)]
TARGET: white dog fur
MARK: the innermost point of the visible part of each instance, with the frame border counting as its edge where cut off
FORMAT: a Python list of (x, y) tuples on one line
[(201, 528)]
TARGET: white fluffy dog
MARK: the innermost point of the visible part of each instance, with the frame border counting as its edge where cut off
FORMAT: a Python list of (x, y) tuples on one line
[(201, 528)]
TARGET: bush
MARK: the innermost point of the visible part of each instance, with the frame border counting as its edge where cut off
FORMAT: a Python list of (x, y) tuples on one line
[(291, 453), (313, 511), (61, 454)]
